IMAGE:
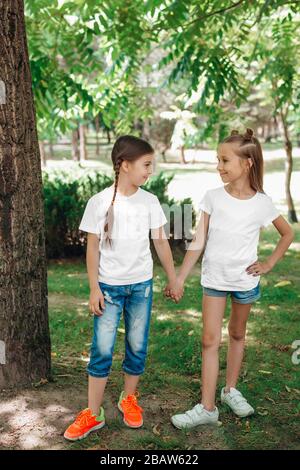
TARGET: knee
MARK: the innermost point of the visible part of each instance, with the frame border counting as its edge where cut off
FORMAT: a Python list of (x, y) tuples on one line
[(104, 348), (211, 341), (236, 335), (135, 344), (101, 353)]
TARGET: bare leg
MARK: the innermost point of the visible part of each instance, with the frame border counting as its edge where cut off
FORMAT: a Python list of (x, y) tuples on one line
[(212, 313), (131, 383), (237, 331), (96, 392)]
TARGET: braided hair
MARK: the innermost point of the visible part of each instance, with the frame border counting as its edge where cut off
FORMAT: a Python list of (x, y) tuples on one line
[(126, 148)]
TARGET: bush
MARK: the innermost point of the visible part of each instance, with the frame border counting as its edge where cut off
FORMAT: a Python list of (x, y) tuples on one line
[(65, 198)]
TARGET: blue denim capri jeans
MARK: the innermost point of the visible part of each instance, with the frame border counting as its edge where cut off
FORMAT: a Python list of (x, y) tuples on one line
[(135, 301)]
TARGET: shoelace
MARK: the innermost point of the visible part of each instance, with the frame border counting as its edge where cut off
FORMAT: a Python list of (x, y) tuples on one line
[(83, 418), (130, 403)]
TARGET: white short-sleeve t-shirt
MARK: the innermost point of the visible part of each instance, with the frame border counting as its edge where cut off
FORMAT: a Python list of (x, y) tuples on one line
[(129, 259), (233, 237)]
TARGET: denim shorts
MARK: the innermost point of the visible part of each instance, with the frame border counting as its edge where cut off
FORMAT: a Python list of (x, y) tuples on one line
[(239, 297), (135, 301)]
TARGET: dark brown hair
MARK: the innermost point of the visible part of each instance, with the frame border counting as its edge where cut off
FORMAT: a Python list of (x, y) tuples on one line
[(249, 147), (126, 148)]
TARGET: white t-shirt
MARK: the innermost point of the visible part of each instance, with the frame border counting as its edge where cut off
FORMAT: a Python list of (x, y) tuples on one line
[(129, 259), (233, 236)]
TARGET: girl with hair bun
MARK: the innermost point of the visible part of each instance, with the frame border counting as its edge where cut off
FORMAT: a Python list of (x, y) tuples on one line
[(228, 237)]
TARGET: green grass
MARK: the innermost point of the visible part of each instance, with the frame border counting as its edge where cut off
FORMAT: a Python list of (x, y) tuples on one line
[(171, 382)]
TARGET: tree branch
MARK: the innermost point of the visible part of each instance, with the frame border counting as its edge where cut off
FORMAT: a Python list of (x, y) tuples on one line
[(215, 12)]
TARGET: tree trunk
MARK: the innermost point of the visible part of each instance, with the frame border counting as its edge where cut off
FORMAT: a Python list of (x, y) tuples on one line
[(51, 149), (42, 153), (24, 331), (182, 155), (269, 132), (146, 129), (83, 154), (163, 152), (292, 216), (75, 147), (97, 128), (276, 127)]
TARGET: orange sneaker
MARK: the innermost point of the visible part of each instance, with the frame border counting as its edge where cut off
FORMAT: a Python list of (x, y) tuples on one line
[(132, 412), (84, 423)]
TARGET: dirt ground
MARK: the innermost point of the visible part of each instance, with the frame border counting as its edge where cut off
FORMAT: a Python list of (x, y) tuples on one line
[(35, 418)]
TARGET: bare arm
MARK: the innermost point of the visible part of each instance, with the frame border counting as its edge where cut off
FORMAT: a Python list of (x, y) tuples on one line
[(92, 262), (195, 249), (164, 253), (287, 236)]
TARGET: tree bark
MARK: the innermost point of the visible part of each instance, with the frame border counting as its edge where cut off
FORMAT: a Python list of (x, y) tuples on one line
[(182, 155), (163, 152), (24, 331), (292, 216), (97, 128), (51, 149), (83, 154), (146, 129), (75, 147)]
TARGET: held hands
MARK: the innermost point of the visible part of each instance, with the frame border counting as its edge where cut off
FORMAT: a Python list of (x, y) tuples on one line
[(96, 302), (258, 268), (174, 290)]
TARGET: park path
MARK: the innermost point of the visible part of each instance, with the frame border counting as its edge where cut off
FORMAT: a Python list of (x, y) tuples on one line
[(194, 179)]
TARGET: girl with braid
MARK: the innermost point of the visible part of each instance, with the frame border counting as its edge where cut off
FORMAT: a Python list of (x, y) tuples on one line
[(118, 221)]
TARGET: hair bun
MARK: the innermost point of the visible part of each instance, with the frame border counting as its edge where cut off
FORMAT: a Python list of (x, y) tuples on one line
[(248, 134), (234, 132)]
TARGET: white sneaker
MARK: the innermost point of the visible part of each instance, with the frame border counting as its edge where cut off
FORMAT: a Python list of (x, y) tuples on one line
[(235, 400), (194, 417)]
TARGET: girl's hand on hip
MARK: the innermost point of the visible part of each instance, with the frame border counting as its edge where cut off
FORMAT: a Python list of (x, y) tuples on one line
[(258, 268), (96, 302)]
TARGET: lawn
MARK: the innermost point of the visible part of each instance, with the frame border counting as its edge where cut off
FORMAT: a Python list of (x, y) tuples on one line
[(171, 383)]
